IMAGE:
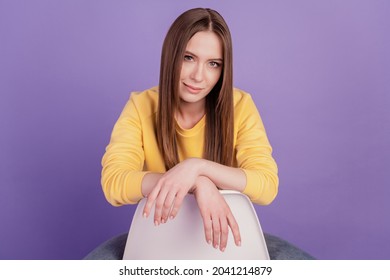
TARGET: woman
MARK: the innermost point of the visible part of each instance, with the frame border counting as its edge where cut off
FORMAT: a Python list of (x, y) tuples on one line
[(194, 133)]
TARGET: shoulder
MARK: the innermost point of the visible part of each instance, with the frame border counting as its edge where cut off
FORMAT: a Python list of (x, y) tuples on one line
[(145, 97), (241, 99), (245, 109), (145, 102)]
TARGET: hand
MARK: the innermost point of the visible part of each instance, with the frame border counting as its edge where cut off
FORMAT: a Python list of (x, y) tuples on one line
[(170, 190), (216, 214)]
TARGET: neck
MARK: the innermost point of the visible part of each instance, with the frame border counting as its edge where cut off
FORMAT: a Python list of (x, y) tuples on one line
[(189, 114)]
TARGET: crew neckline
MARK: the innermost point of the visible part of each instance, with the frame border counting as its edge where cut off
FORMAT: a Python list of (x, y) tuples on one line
[(191, 131)]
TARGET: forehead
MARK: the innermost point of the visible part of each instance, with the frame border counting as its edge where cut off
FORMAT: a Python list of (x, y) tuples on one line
[(205, 44)]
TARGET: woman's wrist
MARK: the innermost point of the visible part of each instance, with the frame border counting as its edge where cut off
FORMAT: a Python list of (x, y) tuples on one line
[(195, 186), (201, 166), (149, 181), (201, 183)]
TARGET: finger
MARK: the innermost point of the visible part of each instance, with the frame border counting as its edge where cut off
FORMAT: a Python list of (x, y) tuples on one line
[(159, 205), (177, 204), (208, 227), (150, 200), (167, 206), (235, 229), (216, 231), (224, 233)]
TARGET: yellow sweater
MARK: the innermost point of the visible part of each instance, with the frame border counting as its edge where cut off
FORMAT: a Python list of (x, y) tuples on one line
[(133, 149)]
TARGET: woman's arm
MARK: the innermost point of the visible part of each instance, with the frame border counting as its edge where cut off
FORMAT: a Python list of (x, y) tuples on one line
[(168, 190), (123, 160), (149, 182), (253, 153), (126, 177), (224, 177)]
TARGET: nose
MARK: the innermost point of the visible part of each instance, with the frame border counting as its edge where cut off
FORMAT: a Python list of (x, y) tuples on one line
[(197, 73)]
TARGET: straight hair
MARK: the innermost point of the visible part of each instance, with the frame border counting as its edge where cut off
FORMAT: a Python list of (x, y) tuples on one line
[(219, 131)]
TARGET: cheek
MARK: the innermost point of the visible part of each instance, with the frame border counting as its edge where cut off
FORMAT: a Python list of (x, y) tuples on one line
[(214, 77), (185, 71)]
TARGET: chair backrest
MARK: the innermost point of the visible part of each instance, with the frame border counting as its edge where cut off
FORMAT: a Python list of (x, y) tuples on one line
[(183, 237)]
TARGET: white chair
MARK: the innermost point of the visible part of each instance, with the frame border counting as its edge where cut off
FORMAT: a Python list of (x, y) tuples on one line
[(183, 237)]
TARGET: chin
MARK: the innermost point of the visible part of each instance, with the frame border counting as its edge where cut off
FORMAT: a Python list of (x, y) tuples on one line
[(190, 99)]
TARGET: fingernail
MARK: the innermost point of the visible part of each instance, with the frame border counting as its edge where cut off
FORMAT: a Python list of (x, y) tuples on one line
[(144, 215), (163, 221), (171, 217), (156, 223), (209, 241), (223, 249), (239, 244)]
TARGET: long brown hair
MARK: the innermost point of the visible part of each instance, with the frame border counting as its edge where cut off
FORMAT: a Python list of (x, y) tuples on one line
[(219, 102)]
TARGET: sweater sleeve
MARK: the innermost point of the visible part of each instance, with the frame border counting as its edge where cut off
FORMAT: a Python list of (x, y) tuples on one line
[(124, 159), (254, 155)]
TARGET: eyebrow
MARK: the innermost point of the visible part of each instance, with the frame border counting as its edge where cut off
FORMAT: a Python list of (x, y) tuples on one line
[(194, 55)]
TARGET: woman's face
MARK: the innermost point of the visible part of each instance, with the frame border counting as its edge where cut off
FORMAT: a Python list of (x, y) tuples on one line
[(201, 68)]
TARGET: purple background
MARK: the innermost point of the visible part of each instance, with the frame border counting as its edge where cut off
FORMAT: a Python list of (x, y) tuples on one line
[(319, 72)]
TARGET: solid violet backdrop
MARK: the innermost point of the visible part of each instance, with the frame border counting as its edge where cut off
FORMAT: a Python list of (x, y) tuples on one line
[(318, 72)]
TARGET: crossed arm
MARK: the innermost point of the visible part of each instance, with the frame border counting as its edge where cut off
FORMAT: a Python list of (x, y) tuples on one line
[(202, 178), (126, 180)]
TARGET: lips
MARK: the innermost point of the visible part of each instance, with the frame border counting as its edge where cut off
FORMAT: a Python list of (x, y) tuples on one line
[(192, 89)]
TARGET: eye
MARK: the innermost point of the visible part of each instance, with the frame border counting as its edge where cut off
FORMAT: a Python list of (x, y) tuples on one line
[(188, 58), (214, 64)]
